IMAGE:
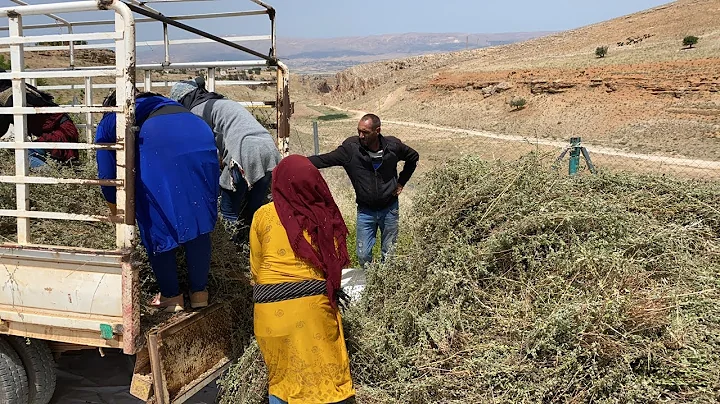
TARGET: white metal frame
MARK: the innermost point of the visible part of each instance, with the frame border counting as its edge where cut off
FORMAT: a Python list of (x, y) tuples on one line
[(124, 74), (123, 42)]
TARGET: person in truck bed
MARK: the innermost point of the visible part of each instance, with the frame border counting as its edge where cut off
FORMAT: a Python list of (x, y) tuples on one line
[(56, 128), (246, 149), (176, 191)]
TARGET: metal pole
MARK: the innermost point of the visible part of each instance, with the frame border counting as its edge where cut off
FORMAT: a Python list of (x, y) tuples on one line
[(72, 48), (125, 82), (166, 39), (22, 197), (148, 81), (88, 116), (211, 79), (316, 138), (574, 155)]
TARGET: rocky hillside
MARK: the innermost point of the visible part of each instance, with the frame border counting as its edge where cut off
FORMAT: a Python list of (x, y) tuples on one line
[(649, 94)]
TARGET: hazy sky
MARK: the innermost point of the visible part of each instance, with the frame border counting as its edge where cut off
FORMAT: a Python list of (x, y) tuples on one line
[(336, 18), (327, 18)]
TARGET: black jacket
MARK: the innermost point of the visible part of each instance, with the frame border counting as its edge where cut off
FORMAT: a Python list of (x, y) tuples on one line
[(373, 189)]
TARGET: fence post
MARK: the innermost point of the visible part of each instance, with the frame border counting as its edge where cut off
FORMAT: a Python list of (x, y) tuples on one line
[(316, 138), (574, 155)]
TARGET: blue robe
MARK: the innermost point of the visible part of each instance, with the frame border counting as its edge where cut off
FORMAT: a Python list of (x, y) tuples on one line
[(177, 171)]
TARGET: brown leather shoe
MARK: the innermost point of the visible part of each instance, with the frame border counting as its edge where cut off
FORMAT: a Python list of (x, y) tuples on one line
[(168, 304), (199, 299)]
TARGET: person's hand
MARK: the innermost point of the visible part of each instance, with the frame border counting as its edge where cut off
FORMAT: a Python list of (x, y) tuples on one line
[(113, 209), (398, 190)]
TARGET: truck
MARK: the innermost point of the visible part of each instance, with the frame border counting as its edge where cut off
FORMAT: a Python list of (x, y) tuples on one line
[(56, 298)]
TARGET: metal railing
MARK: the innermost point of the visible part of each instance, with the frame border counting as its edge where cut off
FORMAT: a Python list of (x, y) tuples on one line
[(148, 14), (124, 74), (94, 78)]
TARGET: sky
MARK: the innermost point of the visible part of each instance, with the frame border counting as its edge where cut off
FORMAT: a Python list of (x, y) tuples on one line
[(342, 18), (328, 18)]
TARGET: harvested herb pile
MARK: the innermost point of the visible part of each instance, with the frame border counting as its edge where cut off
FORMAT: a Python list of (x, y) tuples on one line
[(524, 285)]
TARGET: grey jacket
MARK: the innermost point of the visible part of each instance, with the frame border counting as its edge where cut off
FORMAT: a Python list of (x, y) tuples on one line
[(241, 140)]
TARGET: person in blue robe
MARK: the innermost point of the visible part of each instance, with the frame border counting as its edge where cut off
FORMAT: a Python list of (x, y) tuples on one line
[(176, 191)]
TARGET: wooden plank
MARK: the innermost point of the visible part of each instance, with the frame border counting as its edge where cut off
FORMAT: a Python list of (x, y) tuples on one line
[(213, 374), (77, 337), (81, 256), (141, 385), (159, 385), (59, 319)]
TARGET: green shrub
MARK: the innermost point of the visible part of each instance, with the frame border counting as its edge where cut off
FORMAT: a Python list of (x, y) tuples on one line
[(690, 41), (601, 51), (518, 103)]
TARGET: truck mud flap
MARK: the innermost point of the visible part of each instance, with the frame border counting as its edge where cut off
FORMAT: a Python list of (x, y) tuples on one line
[(183, 357)]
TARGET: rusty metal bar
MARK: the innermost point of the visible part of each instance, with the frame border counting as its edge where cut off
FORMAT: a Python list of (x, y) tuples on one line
[(130, 305), (125, 124), (283, 109)]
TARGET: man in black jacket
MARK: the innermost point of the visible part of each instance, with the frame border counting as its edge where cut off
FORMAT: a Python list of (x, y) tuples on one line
[(370, 160)]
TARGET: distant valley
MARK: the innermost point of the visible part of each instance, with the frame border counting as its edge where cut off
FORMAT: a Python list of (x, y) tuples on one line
[(330, 55)]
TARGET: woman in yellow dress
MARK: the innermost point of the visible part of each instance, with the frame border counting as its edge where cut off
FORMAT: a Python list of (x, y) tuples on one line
[(297, 252)]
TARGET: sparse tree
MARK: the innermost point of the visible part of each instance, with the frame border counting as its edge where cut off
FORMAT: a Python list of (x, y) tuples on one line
[(689, 41), (518, 103), (601, 51)]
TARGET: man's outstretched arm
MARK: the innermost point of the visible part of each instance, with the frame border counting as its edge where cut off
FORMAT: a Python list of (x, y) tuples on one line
[(337, 157)]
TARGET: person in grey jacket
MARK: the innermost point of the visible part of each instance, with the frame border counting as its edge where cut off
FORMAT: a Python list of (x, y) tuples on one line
[(246, 150)]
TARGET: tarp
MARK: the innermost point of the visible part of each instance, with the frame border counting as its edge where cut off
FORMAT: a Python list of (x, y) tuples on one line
[(84, 377)]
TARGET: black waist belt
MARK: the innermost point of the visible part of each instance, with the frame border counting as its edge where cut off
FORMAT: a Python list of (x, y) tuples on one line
[(288, 290), (168, 110)]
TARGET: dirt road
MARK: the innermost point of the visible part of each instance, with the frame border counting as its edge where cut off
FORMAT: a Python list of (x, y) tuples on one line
[(593, 149)]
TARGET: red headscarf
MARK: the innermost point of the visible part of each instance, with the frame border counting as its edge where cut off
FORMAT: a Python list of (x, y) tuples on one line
[(304, 203)]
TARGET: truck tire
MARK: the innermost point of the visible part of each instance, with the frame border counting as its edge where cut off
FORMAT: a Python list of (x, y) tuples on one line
[(13, 381), (39, 366)]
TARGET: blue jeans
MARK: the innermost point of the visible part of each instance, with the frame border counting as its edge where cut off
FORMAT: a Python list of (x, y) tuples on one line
[(242, 204), (197, 255), (36, 157), (368, 223)]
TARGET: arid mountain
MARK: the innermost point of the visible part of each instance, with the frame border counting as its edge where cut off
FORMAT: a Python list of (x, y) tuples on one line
[(649, 94), (330, 55)]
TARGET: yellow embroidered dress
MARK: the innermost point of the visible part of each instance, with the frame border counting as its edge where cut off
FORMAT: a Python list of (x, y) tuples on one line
[(302, 339)]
